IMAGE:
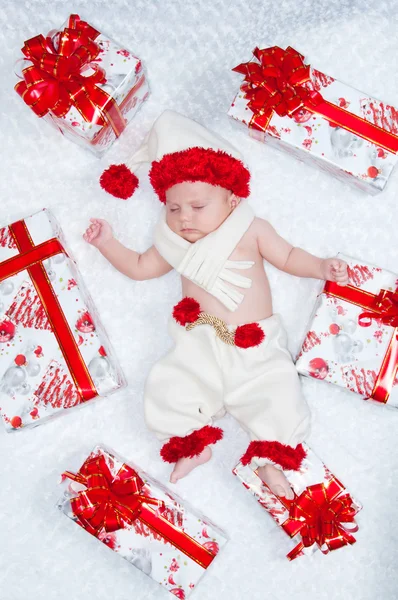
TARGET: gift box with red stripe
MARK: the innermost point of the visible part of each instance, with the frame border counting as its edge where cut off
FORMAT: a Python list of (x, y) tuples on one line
[(321, 514), (352, 337), (318, 119), (82, 82), (141, 520), (54, 352)]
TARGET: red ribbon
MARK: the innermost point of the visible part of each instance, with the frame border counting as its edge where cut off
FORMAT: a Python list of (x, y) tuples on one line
[(54, 82), (320, 515), (112, 502), (280, 83), (31, 258), (383, 306)]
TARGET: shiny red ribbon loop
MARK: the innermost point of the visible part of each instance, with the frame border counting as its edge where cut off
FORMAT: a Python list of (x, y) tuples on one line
[(280, 83), (384, 307), (108, 503), (111, 502), (55, 81), (322, 515)]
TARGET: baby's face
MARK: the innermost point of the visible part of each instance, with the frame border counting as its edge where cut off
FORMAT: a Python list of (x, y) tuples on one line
[(194, 209)]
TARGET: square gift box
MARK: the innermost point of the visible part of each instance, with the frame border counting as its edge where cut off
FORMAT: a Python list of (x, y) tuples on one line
[(321, 515), (351, 338), (83, 83), (317, 118), (141, 520), (54, 352)]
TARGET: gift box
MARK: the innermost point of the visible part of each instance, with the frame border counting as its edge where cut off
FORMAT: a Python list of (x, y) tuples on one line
[(141, 520), (321, 514), (351, 338), (83, 83), (317, 118), (54, 352)]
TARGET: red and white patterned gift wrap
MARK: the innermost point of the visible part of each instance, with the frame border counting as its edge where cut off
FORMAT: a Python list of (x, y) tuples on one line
[(298, 124), (94, 103), (351, 338), (321, 515), (143, 522), (54, 352)]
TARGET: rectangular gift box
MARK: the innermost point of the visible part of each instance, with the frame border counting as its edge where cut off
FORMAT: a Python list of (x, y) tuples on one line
[(54, 352), (145, 523), (321, 515), (351, 337), (317, 118), (99, 99)]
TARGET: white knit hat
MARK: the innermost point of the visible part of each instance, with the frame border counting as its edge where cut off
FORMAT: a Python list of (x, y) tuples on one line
[(180, 149)]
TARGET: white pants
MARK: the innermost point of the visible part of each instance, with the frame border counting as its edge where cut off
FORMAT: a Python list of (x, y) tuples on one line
[(201, 377)]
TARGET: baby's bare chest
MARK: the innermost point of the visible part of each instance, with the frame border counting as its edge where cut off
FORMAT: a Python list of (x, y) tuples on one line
[(247, 248)]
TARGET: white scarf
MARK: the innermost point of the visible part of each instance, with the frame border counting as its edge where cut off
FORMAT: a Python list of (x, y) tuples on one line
[(205, 262)]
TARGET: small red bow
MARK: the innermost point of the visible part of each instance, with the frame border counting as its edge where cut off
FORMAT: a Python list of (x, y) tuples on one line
[(385, 309)]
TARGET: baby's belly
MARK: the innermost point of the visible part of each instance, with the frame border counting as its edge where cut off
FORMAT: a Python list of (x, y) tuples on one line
[(255, 306)]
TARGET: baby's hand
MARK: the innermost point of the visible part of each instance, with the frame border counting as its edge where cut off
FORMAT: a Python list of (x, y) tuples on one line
[(334, 269), (98, 233)]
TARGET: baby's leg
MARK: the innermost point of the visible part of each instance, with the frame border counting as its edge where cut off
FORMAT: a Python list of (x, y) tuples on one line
[(182, 393), (264, 395)]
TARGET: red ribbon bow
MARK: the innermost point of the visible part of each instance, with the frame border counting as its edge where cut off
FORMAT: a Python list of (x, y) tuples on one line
[(112, 502), (320, 515), (385, 309), (108, 502), (54, 82), (280, 82)]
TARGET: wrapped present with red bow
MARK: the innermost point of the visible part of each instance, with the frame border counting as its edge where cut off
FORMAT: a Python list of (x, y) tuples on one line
[(320, 120), (352, 336), (82, 82), (54, 352), (321, 516), (141, 520)]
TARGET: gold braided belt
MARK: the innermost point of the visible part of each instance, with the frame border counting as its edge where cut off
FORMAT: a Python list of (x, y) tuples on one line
[(188, 314)]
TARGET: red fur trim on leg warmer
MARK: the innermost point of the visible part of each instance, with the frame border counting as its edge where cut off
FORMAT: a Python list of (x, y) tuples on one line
[(287, 457), (191, 445)]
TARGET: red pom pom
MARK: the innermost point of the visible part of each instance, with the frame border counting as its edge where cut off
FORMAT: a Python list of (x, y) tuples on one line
[(249, 335), (186, 311), (119, 181)]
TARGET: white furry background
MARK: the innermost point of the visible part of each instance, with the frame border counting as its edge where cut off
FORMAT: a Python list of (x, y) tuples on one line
[(188, 49)]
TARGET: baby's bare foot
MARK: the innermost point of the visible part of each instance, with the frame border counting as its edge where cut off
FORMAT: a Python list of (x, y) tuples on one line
[(276, 481), (186, 465)]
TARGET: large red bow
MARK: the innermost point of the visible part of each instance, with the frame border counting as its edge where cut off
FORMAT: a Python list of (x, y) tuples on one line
[(281, 83), (54, 82), (320, 515), (108, 502)]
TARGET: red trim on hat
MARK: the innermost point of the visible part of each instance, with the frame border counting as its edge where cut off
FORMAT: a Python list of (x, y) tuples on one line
[(287, 457), (191, 445), (200, 164)]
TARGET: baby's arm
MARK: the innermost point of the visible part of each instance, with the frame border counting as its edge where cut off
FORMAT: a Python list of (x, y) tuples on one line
[(137, 266), (297, 261)]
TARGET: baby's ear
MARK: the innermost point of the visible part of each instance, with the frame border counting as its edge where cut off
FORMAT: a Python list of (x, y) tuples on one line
[(234, 201)]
